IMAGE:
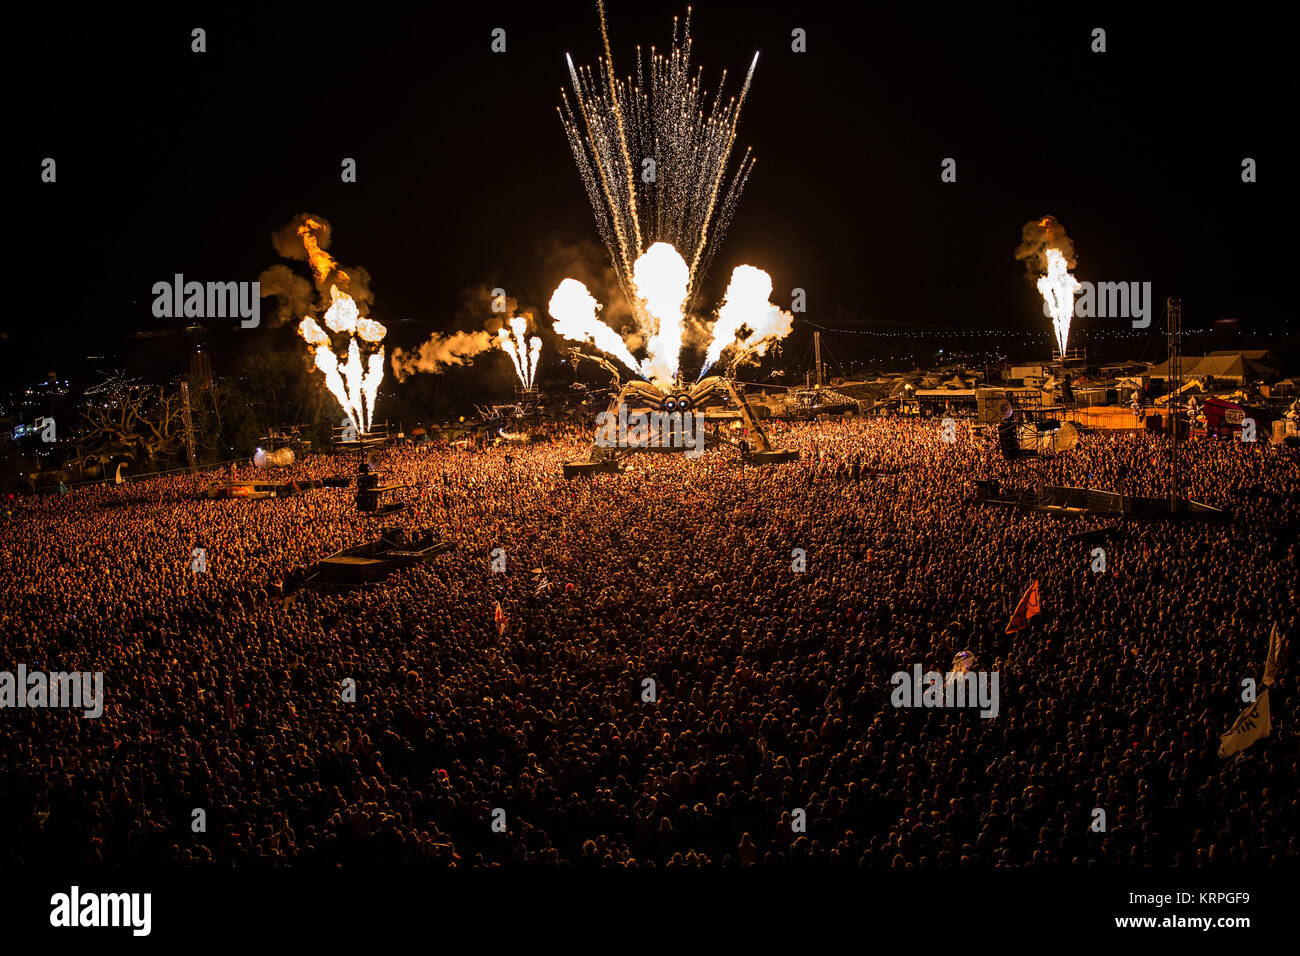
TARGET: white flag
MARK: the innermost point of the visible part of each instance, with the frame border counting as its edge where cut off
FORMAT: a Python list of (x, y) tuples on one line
[(1249, 727), (1275, 655)]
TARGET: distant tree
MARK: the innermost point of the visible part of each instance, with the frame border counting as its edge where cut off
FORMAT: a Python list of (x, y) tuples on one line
[(272, 388), (140, 424)]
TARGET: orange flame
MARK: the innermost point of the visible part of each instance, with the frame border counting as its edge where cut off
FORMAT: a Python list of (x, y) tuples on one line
[(322, 263), (355, 384)]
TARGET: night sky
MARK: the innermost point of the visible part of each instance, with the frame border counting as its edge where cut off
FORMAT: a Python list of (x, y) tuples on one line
[(171, 161)]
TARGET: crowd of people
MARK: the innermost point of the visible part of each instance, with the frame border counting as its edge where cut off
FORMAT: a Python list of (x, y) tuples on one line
[(691, 666)]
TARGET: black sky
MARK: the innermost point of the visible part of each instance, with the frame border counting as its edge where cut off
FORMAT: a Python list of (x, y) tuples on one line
[(170, 161)]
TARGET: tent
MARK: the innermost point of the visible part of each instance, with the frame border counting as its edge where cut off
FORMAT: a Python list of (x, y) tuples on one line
[(1232, 366)]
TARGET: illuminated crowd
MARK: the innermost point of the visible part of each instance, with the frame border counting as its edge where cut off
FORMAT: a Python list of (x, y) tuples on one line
[(693, 669)]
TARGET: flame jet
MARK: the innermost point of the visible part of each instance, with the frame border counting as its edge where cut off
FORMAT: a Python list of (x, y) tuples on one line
[(523, 352), (746, 306), (747, 320), (662, 281), (1048, 255), (354, 368), (350, 380), (574, 309), (1058, 288), (534, 353)]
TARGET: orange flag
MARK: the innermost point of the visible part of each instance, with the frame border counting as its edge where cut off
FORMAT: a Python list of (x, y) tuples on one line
[(1026, 609)]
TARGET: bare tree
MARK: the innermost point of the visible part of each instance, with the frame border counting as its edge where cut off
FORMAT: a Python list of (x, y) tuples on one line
[(139, 423)]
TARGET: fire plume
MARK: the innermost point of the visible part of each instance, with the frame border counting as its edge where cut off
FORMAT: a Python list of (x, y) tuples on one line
[(346, 346), (321, 262), (746, 307), (1048, 255), (1058, 288), (747, 320), (662, 282), (523, 354), (351, 380), (574, 309)]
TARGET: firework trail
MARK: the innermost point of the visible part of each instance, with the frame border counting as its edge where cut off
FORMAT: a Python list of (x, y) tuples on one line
[(661, 230), (614, 125)]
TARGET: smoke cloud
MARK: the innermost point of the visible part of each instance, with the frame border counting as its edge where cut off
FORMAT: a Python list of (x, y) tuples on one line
[(587, 262), (476, 304), (440, 351), (295, 297), (289, 242), (1036, 237)]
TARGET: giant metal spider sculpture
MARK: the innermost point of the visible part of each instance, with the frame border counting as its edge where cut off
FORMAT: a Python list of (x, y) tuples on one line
[(710, 392)]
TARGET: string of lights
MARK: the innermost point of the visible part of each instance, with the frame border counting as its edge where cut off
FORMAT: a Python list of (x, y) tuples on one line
[(922, 332)]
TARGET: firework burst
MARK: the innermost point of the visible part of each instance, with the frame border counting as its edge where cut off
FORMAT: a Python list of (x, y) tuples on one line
[(664, 121)]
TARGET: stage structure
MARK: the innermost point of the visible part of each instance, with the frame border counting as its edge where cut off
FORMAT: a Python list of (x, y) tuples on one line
[(1070, 502), (347, 440), (811, 402), (286, 436), (369, 563), (716, 400), (370, 492), (518, 422), (261, 490), (1174, 358), (1029, 436), (188, 421), (1026, 437), (608, 366), (815, 398)]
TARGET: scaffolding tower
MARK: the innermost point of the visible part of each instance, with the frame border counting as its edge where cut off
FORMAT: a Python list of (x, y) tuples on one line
[(1173, 336)]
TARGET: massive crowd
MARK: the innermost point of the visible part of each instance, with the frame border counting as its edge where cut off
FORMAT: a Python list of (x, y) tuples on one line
[(670, 689)]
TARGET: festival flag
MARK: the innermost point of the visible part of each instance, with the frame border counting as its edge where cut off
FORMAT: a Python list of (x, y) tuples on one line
[(500, 618), (1250, 726), (1026, 609), (1276, 655)]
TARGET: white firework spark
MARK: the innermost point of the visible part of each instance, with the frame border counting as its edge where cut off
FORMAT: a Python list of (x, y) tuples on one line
[(616, 125)]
